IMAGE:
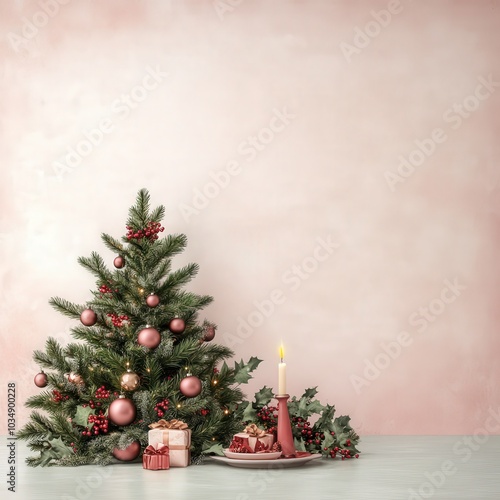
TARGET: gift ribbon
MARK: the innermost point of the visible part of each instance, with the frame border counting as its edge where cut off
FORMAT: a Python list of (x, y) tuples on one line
[(170, 424), (156, 458), (253, 431), (162, 449), (165, 439)]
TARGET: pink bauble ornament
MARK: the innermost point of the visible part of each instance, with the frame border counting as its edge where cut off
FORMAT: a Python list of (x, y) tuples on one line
[(149, 337), (41, 379), (152, 300), (88, 317), (190, 386), (122, 411), (131, 452), (209, 333), (119, 262), (177, 325)]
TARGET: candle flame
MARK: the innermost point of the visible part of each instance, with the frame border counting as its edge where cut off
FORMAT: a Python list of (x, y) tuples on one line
[(282, 352)]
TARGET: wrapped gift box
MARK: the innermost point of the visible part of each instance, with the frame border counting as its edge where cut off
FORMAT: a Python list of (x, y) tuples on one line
[(156, 457), (267, 440), (255, 435), (176, 436)]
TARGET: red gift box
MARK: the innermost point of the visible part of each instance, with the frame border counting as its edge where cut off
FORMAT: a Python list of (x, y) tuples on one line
[(156, 458)]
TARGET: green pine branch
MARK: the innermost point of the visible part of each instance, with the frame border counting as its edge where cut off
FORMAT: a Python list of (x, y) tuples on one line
[(96, 265), (67, 308), (139, 213), (112, 243), (178, 278), (53, 357)]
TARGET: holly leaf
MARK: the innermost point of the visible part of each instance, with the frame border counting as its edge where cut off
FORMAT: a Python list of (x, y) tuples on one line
[(59, 447), (46, 456), (264, 396), (315, 407), (253, 363), (306, 408), (343, 421), (242, 370), (55, 451), (214, 448), (250, 414), (224, 369), (310, 393), (302, 410), (343, 430), (325, 422), (82, 416), (328, 441), (293, 407), (299, 444)]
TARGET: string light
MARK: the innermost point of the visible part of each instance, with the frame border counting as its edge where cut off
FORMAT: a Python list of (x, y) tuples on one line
[(178, 405), (214, 382), (226, 411), (141, 290), (148, 370)]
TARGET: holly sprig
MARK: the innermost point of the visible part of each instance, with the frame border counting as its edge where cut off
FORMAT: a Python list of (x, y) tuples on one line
[(329, 435)]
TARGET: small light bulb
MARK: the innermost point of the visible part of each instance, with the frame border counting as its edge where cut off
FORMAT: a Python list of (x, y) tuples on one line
[(226, 412), (178, 406), (214, 382)]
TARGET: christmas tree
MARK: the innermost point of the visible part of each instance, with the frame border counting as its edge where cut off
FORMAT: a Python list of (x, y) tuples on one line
[(143, 355)]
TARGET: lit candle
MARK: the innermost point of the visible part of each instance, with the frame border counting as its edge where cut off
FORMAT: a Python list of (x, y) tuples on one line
[(281, 373)]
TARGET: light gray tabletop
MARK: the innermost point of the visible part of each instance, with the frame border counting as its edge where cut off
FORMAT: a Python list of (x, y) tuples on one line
[(390, 467)]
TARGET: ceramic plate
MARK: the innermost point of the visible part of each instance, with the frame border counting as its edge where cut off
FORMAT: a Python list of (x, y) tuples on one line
[(267, 464), (252, 456)]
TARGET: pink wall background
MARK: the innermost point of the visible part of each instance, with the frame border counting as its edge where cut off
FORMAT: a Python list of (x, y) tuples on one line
[(355, 101)]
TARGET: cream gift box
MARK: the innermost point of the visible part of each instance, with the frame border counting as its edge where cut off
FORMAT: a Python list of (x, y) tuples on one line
[(176, 436)]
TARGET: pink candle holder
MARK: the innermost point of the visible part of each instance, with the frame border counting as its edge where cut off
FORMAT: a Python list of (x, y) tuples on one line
[(285, 436)]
